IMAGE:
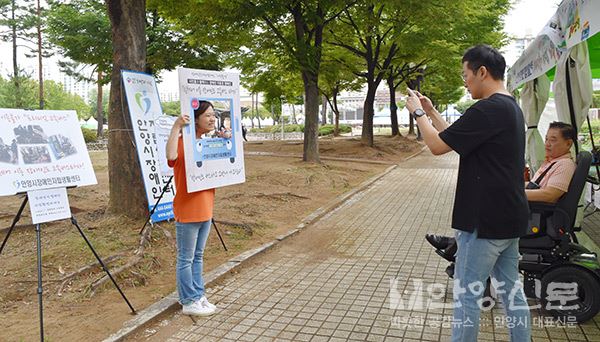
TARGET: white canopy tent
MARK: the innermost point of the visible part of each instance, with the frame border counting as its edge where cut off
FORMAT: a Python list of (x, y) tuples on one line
[(562, 44)]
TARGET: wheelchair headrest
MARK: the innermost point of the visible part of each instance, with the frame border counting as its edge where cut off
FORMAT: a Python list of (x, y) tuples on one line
[(570, 200)]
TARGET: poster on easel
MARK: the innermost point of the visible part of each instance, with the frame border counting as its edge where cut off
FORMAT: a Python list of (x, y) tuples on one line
[(145, 108), (42, 149), (212, 160), (48, 205)]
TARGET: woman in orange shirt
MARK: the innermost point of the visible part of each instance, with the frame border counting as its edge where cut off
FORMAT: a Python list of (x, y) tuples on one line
[(193, 216)]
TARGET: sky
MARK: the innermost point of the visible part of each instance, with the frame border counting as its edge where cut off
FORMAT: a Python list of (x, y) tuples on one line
[(527, 17)]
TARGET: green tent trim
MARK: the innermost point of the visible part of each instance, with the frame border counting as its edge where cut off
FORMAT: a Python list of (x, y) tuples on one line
[(594, 50)]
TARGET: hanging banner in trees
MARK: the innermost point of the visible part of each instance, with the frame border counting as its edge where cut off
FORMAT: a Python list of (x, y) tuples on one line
[(214, 159), (42, 149), (144, 109)]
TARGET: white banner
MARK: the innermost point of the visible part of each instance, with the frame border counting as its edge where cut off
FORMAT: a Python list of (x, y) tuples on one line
[(144, 109), (580, 20), (574, 22), (48, 205), (42, 149), (212, 161)]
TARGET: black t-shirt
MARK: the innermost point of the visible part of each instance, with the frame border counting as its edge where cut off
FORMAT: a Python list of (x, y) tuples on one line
[(490, 196)]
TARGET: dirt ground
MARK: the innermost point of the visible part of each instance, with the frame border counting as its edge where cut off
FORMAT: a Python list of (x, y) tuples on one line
[(278, 193)]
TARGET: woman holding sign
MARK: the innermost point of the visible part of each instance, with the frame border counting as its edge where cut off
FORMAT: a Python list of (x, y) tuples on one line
[(193, 215)]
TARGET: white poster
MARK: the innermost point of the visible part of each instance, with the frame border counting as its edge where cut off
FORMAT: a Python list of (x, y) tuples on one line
[(42, 149), (48, 205), (212, 161), (144, 108), (162, 128)]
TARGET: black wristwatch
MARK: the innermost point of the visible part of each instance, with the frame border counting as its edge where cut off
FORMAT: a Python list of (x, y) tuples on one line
[(417, 113)]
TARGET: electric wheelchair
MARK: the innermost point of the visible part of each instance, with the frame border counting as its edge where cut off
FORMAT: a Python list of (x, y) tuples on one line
[(557, 270)]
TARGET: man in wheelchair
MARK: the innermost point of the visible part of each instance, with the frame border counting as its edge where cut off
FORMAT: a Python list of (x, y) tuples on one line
[(564, 275), (548, 185)]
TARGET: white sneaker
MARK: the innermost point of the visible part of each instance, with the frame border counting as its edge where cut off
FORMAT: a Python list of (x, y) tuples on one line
[(204, 301), (197, 309)]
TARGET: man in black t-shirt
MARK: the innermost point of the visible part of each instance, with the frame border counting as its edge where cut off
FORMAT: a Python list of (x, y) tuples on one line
[(490, 207)]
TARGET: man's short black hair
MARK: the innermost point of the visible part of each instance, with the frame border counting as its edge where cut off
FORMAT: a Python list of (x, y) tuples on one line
[(567, 131), (487, 56)]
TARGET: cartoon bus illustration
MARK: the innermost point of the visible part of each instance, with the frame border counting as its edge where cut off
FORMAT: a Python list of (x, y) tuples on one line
[(210, 146)]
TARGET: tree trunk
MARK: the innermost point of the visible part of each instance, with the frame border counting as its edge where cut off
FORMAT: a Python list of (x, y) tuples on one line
[(99, 105), (18, 103), (323, 110), (127, 195), (411, 125), (311, 113), (252, 115), (367, 129), (393, 107), (39, 44), (336, 112), (294, 120)]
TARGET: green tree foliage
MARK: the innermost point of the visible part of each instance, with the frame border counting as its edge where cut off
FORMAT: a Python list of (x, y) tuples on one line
[(388, 35), (81, 31), (336, 78), (18, 22), (596, 99), (18, 93), (94, 102), (171, 108), (464, 105), (56, 97), (291, 29)]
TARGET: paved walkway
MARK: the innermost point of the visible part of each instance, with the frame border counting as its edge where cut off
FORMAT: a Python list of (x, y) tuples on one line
[(341, 279)]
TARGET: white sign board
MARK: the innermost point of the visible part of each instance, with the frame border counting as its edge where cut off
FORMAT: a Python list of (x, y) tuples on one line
[(48, 205), (42, 149), (212, 161), (162, 128), (144, 108)]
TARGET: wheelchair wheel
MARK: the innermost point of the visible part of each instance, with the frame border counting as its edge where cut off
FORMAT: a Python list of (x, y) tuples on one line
[(570, 291)]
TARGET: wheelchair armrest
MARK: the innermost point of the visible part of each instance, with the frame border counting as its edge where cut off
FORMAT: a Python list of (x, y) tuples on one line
[(541, 206)]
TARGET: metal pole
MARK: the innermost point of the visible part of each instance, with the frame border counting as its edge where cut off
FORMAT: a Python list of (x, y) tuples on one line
[(40, 289), (14, 223), (74, 222), (156, 204), (219, 234)]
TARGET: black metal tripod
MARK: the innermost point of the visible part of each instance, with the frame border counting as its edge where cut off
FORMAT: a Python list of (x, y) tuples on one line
[(40, 289), (156, 205)]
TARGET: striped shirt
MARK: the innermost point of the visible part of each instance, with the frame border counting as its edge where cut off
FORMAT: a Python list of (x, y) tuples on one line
[(559, 176)]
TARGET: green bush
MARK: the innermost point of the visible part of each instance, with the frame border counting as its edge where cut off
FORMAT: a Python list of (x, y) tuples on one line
[(287, 128), (89, 135), (328, 129)]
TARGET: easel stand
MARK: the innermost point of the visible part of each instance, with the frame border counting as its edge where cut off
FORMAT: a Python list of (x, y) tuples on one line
[(40, 288), (149, 219)]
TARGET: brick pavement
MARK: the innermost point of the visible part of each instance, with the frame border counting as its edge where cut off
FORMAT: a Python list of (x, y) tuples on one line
[(332, 282)]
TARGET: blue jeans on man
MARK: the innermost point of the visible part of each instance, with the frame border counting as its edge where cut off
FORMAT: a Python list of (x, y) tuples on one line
[(191, 240), (476, 260)]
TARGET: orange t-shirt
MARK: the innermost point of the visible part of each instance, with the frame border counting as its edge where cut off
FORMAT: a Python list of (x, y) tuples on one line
[(189, 207)]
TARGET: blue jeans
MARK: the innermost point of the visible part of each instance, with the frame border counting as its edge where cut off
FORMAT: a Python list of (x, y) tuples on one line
[(476, 260), (191, 239)]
